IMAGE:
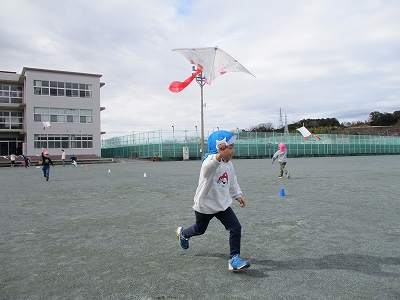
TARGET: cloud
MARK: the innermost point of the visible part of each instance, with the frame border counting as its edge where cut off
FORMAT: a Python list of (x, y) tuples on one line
[(313, 59)]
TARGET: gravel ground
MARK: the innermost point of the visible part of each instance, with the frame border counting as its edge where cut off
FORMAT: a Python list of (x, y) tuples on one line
[(107, 231)]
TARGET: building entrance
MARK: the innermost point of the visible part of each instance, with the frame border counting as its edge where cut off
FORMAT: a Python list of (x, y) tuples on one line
[(8, 147), (4, 148)]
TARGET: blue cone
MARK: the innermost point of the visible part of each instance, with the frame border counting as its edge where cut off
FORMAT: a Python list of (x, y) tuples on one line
[(282, 193)]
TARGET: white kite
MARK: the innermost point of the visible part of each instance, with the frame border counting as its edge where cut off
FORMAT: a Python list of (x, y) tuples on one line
[(305, 133), (45, 125), (211, 61)]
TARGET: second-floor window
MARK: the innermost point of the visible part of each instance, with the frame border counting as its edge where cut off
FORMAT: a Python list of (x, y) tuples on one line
[(62, 115), (62, 89)]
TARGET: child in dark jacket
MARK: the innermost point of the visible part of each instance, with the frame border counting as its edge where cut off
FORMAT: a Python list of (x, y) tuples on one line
[(27, 160), (46, 162), (74, 159)]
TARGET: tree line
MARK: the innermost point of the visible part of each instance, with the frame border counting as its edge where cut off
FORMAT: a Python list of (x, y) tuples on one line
[(332, 125)]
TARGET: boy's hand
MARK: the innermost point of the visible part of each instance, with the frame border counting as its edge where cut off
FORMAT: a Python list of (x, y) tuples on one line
[(242, 202), (222, 147)]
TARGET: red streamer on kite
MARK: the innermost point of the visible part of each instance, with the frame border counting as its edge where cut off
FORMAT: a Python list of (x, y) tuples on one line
[(314, 135), (178, 86)]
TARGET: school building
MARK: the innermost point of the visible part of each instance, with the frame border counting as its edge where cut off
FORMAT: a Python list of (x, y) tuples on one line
[(50, 109)]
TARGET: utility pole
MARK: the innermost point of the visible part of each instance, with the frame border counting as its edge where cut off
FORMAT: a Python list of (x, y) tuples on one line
[(201, 81), (280, 119)]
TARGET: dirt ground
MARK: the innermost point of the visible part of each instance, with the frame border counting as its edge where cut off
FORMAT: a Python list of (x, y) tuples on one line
[(107, 231)]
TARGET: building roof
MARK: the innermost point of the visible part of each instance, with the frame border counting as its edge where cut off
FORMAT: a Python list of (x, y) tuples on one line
[(13, 77), (57, 71)]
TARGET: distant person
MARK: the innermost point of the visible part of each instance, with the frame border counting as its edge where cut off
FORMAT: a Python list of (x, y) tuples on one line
[(46, 162), (217, 187), (27, 160), (281, 155), (63, 157), (74, 159), (13, 158)]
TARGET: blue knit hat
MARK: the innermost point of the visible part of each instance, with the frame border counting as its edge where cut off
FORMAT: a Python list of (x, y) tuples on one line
[(216, 138)]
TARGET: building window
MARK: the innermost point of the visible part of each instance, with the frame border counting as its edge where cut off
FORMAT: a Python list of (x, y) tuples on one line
[(40, 141), (76, 141), (63, 141), (87, 141), (62, 115), (10, 94), (62, 89), (11, 120), (37, 118)]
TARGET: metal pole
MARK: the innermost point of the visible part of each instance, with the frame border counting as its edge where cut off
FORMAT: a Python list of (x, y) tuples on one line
[(202, 122), (238, 150), (201, 82), (173, 138), (197, 142), (185, 137)]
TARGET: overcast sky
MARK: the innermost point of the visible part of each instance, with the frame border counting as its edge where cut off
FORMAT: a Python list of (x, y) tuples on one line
[(313, 59)]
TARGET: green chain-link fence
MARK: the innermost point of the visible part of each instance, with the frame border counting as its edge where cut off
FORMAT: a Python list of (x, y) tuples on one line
[(171, 145)]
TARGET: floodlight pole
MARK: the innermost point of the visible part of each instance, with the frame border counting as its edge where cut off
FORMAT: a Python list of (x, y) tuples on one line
[(201, 81)]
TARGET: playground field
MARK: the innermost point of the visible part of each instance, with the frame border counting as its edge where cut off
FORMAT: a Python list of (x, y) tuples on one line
[(107, 231)]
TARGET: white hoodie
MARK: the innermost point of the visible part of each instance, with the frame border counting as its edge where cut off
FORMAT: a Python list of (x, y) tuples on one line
[(281, 155), (217, 186)]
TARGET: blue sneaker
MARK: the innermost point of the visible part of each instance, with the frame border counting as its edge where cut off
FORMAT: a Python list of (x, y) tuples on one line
[(237, 263), (184, 243)]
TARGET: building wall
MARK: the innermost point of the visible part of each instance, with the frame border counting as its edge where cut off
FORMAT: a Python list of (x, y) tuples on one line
[(12, 133), (32, 100)]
